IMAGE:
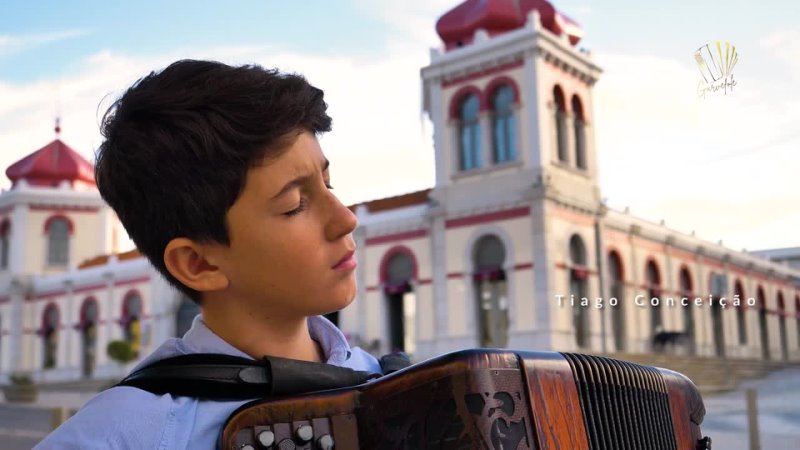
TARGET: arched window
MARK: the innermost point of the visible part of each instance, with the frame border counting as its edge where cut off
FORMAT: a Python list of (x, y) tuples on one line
[(741, 319), (761, 302), (782, 325), (577, 285), (5, 241), (58, 229), (797, 317), (617, 291), (654, 291), (132, 320), (489, 280), (49, 333), (401, 301), (579, 125), (687, 290), (561, 123), (187, 310), (504, 128), (469, 132), (718, 287), (88, 329)]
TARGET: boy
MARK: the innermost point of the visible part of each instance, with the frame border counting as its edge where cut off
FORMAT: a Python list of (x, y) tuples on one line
[(217, 175)]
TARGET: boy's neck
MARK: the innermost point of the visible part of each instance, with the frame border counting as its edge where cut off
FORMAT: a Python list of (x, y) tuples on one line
[(259, 337)]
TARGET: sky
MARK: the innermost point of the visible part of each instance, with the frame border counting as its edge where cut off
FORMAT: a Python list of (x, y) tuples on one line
[(726, 166)]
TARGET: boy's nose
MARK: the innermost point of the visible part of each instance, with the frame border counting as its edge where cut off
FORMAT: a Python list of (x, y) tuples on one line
[(341, 222)]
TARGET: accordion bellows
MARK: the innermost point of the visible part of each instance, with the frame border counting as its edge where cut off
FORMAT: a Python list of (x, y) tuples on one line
[(486, 399)]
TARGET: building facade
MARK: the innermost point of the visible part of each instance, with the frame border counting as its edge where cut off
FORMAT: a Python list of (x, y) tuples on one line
[(512, 247)]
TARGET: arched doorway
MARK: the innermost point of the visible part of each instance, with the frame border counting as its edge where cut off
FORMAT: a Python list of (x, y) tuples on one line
[(49, 332), (131, 320), (88, 330), (654, 291), (741, 318), (489, 280), (617, 291), (185, 314), (782, 326), (398, 271), (687, 290), (797, 318), (718, 283), (761, 301), (577, 286)]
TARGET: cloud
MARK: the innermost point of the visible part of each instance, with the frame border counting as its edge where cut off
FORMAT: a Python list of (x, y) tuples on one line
[(378, 147), (12, 44), (414, 20), (724, 165), (713, 165), (783, 45)]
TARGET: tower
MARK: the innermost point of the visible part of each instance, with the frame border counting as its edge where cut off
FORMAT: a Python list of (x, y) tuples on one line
[(510, 98), (51, 219)]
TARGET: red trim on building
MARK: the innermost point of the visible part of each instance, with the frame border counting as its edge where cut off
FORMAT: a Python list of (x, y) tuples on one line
[(523, 266), (498, 82), (453, 275), (89, 288), (372, 288), (711, 262), (47, 295), (406, 235), (384, 266), (132, 281), (523, 211), (458, 98), (424, 281), (54, 217), (484, 73), (60, 208)]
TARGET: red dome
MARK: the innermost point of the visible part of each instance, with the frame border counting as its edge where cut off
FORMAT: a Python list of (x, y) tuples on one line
[(50, 165), (457, 27)]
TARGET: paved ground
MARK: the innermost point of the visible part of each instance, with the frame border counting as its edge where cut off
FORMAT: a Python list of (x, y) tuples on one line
[(21, 426), (779, 414)]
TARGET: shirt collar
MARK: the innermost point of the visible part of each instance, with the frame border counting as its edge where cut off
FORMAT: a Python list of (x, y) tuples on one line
[(200, 339)]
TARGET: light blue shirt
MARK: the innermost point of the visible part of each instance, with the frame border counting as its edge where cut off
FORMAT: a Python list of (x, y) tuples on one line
[(130, 418)]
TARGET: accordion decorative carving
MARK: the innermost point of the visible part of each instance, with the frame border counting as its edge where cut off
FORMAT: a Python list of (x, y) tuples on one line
[(486, 399)]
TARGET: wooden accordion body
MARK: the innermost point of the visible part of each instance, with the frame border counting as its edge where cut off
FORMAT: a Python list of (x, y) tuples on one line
[(486, 399)]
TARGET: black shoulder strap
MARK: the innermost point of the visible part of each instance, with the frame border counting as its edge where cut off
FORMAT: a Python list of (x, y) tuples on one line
[(224, 377)]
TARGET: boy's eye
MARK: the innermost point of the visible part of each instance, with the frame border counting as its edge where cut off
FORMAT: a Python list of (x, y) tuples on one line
[(300, 208)]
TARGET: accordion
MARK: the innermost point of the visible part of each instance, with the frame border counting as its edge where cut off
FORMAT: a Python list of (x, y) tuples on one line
[(486, 399)]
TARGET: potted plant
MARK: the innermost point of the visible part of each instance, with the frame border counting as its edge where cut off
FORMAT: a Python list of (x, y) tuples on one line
[(121, 351), (21, 389)]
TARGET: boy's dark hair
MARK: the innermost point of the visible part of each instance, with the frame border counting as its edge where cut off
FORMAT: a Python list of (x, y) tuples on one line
[(178, 145)]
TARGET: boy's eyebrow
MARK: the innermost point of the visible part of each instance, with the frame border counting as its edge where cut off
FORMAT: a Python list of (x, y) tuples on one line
[(299, 181)]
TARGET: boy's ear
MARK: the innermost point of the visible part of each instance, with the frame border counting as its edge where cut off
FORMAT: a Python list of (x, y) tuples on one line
[(187, 261)]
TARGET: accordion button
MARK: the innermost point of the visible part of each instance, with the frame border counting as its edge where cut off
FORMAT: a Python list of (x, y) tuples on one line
[(247, 447), (266, 438), (304, 433), (325, 442)]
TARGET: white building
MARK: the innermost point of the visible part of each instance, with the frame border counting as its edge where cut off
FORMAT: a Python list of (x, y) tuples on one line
[(56, 316), (514, 223)]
